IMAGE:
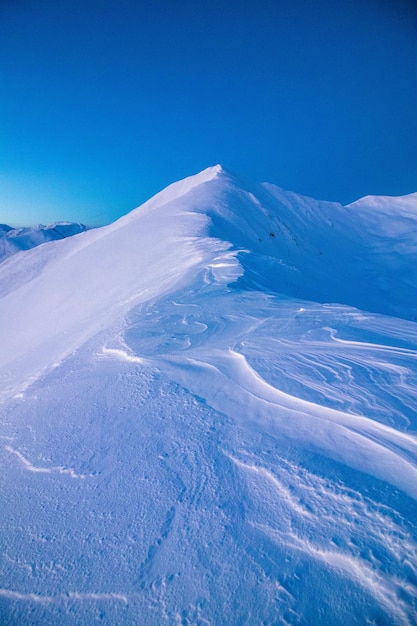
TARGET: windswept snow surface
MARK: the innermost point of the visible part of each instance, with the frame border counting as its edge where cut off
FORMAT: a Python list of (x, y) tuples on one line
[(209, 414), (13, 240)]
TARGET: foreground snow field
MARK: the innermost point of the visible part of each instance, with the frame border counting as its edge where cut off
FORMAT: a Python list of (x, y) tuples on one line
[(208, 414)]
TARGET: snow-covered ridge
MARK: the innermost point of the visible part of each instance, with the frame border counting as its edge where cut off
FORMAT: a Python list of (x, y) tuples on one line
[(208, 414), (396, 203), (13, 240), (281, 242)]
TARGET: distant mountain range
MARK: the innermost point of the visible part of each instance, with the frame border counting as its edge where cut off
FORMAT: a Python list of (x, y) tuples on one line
[(208, 413), (14, 240)]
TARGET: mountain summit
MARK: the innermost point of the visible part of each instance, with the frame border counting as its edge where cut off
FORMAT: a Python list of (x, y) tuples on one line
[(208, 413)]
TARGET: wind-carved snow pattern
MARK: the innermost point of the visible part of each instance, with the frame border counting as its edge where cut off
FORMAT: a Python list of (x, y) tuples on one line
[(246, 434)]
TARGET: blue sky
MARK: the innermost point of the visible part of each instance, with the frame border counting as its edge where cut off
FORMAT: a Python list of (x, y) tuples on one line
[(103, 103)]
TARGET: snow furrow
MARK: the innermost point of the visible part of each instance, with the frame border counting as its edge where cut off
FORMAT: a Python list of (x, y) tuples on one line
[(37, 469)]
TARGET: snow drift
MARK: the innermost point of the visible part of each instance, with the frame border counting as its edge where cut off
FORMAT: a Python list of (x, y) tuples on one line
[(209, 413)]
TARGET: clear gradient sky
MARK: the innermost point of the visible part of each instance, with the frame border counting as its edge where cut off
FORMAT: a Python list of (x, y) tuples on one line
[(105, 102)]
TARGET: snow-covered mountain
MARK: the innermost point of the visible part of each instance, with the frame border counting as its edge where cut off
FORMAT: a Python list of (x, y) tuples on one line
[(209, 413), (14, 240)]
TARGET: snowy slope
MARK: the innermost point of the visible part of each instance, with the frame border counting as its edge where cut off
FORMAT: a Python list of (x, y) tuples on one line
[(209, 414), (14, 240)]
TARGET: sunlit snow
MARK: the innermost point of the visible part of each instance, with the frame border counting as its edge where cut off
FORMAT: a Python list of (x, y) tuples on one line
[(209, 414)]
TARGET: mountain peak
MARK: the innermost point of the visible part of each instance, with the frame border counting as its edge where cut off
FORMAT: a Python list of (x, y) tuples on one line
[(210, 173), (215, 169)]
